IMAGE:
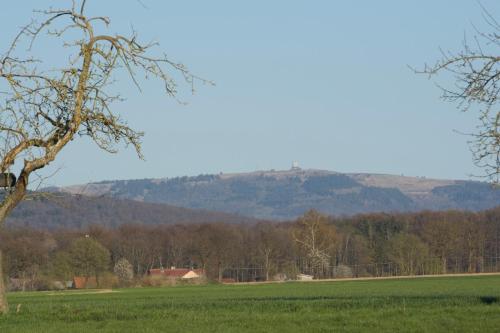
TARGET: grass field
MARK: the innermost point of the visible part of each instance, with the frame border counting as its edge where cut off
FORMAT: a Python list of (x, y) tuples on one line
[(446, 304)]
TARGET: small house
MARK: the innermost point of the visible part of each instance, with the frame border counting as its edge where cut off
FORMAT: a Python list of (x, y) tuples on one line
[(177, 273), (83, 282)]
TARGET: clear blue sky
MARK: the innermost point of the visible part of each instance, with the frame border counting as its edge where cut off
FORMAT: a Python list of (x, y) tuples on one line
[(323, 82)]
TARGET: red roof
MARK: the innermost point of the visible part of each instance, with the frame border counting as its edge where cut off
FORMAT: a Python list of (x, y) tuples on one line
[(81, 282), (174, 272)]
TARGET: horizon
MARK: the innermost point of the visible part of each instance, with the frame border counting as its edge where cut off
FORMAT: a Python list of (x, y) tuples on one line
[(231, 173)]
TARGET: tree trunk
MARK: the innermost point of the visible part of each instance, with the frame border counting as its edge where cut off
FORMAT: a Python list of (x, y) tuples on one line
[(471, 262), (51, 150), (444, 265), (8, 204), (219, 271), (4, 307), (267, 264)]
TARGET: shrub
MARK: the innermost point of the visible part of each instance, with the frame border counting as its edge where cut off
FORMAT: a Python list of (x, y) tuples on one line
[(124, 272)]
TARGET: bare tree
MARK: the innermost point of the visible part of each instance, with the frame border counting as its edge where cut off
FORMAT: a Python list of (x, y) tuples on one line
[(316, 238), (43, 107), (476, 73), (408, 252)]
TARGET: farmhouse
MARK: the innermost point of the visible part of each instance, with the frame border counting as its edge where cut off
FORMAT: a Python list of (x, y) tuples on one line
[(177, 273), (82, 282)]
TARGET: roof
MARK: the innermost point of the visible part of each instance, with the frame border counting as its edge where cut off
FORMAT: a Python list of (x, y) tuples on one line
[(82, 282), (177, 272), (190, 275)]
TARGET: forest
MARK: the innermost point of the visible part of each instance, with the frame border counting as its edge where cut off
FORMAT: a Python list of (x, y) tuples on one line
[(380, 244)]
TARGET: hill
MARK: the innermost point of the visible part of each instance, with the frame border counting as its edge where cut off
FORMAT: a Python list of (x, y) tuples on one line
[(288, 194), (63, 210)]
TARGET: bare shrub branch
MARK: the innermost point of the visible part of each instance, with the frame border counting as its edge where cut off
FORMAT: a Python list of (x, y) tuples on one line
[(476, 73)]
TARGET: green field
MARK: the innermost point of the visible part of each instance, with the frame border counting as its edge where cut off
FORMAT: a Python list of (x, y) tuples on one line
[(457, 304)]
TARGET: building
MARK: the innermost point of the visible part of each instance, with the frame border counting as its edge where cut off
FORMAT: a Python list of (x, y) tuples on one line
[(82, 282), (295, 166), (305, 277), (177, 273)]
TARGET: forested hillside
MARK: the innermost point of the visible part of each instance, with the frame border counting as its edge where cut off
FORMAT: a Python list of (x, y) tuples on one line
[(288, 194), (58, 210)]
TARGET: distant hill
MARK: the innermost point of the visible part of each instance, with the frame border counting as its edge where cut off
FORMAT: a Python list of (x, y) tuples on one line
[(63, 210), (288, 194)]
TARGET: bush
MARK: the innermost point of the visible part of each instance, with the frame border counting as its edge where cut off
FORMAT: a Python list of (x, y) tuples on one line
[(108, 280), (342, 271), (157, 281), (163, 281), (124, 272)]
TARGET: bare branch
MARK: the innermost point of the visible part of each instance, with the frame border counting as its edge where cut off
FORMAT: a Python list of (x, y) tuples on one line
[(476, 73), (45, 106)]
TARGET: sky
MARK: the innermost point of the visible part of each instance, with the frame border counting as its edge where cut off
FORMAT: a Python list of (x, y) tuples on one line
[(324, 83)]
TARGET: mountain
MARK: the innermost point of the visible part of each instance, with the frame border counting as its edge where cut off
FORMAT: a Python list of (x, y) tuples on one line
[(288, 194), (64, 210)]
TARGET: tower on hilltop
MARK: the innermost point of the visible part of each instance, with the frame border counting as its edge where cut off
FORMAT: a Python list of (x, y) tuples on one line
[(295, 165)]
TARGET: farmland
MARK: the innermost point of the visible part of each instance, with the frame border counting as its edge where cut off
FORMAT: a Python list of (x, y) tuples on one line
[(424, 304)]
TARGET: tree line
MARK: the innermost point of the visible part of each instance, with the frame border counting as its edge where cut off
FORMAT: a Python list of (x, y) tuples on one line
[(378, 244)]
